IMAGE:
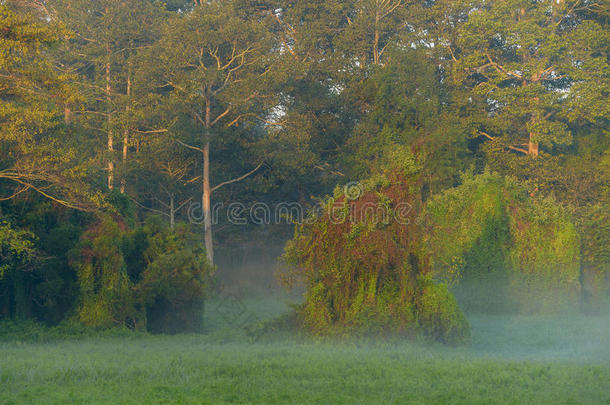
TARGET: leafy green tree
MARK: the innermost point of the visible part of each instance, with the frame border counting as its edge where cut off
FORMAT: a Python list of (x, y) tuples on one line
[(173, 284), (330, 51), (37, 150), (150, 277), (529, 73), (364, 266), (103, 55), (505, 250), (16, 245), (407, 106), (214, 59), (106, 297), (313, 118)]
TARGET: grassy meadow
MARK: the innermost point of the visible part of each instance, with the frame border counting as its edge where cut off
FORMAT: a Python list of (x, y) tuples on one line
[(515, 360)]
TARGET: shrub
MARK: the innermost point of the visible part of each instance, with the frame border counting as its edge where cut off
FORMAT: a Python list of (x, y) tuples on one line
[(503, 249), (150, 278), (173, 284), (362, 262), (594, 227), (439, 315), (106, 293)]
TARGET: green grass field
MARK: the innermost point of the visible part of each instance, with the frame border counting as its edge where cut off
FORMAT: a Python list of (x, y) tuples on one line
[(512, 360)]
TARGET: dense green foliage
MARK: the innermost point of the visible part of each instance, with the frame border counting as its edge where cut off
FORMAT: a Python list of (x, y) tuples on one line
[(503, 248), (151, 278), (16, 250), (364, 265), (173, 283), (114, 111)]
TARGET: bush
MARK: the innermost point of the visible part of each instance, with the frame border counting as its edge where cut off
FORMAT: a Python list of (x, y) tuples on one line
[(439, 315), (363, 265), (107, 296), (502, 249), (594, 227), (173, 284), (151, 278)]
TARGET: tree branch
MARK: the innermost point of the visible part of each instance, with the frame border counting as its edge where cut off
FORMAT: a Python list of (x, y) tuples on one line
[(50, 197), (237, 179), (188, 146), (158, 131), (220, 117), (501, 69), (506, 146), (25, 188), (148, 208)]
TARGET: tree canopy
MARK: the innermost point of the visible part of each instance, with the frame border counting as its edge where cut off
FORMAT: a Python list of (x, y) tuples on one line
[(116, 112)]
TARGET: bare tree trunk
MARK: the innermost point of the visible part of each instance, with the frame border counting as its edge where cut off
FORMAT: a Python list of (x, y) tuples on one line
[(376, 40), (207, 210), (532, 147), (109, 121), (172, 212), (126, 136), (206, 198)]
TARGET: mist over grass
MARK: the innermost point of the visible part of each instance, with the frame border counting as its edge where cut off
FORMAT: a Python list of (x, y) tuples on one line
[(560, 337), (564, 336), (558, 359), (576, 338), (225, 367), (512, 359)]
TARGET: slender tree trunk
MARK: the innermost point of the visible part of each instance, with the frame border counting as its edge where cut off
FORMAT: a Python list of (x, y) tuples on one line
[(206, 198), (376, 40), (126, 136), (109, 120), (207, 207), (172, 212), (532, 147)]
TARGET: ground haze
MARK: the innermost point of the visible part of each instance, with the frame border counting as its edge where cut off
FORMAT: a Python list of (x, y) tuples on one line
[(512, 359)]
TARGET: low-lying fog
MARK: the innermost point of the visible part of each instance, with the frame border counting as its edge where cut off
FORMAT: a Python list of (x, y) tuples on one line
[(249, 292)]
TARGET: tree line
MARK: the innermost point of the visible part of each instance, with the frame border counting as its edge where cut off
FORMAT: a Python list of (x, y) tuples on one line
[(114, 112)]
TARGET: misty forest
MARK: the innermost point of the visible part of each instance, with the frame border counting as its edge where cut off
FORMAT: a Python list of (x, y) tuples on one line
[(290, 201)]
